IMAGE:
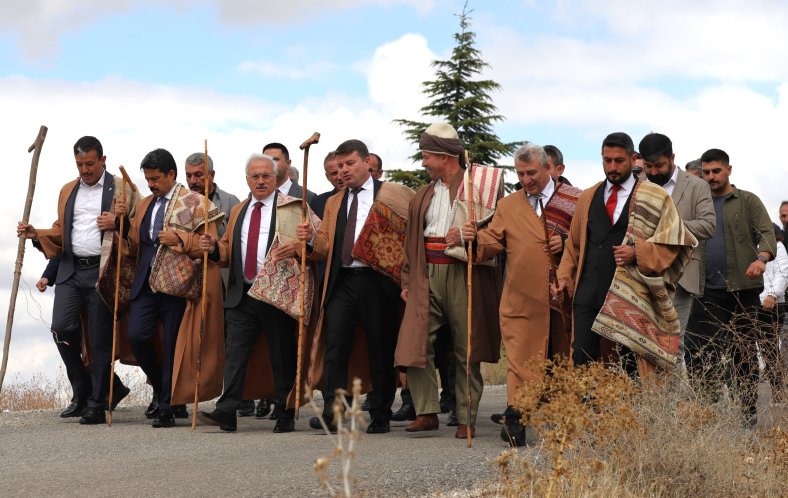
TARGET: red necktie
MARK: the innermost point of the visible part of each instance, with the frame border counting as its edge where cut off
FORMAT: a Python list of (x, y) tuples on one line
[(250, 265), (611, 202)]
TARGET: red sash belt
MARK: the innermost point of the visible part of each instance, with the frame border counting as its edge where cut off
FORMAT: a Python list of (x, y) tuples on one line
[(435, 248)]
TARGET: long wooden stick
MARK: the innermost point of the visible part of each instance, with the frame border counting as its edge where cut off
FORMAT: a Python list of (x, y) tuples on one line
[(126, 180), (315, 138), (472, 219), (204, 297), (20, 251)]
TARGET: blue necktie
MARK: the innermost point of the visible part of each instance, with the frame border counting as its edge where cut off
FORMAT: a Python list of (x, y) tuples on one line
[(158, 222)]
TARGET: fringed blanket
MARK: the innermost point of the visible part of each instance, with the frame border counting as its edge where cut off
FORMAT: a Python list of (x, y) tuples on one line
[(558, 213), (638, 311), (105, 285), (381, 242), (278, 282), (487, 188)]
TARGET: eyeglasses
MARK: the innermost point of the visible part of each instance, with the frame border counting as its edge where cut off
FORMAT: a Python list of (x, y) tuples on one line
[(258, 177)]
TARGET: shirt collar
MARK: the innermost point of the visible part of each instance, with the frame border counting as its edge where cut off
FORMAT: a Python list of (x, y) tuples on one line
[(285, 188), (547, 191), (99, 183), (626, 186), (169, 194), (369, 184)]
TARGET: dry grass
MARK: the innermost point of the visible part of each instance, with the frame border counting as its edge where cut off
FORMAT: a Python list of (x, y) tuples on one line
[(43, 393), (605, 435), (494, 374)]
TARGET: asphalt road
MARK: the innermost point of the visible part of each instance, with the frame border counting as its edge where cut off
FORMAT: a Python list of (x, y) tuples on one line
[(44, 455)]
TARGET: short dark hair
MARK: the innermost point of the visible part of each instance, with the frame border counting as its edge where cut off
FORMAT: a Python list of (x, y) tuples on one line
[(619, 139), (329, 157), (86, 144), (161, 160), (380, 161), (655, 145), (783, 203), (555, 154), (693, 165), (277, 145), (353, 145), (712, 155)]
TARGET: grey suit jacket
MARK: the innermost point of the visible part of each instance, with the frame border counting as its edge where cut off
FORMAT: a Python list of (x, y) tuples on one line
[(297, 191), (692, 197)]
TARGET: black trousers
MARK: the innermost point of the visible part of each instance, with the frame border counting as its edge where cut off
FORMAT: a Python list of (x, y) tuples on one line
[(361, 295), (72, 297), (243, 325), (147, 310), (724, 325), (586, 346)]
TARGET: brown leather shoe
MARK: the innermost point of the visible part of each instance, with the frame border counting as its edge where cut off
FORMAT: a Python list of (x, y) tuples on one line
[(423, 423), (462, 431)]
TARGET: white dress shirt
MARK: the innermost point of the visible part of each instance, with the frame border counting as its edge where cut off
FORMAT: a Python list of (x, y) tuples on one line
[(547, 193), (156, 206), (365, 199), (265, 227), (285, 188), (671, 184), (85, 233), (623, 195), (438, 215)]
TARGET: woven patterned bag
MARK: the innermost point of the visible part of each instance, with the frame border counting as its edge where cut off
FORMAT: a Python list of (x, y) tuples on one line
[(278, 282), (176, 274)]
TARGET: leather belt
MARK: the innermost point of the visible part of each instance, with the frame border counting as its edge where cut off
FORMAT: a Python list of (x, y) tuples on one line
[(86, 261)]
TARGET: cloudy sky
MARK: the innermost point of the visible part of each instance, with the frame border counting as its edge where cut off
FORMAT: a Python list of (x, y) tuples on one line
[(241, 73)]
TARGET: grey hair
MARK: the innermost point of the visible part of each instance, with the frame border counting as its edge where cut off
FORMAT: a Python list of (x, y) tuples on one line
[(256, 156), (198, 158), (530, 152), (293, 172)]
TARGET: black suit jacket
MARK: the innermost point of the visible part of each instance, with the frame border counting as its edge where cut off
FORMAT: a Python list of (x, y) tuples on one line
[(339, 236), (235, 282)]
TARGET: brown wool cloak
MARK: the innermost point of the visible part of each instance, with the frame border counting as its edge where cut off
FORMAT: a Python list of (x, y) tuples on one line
[(259, 380), (184, 371), (412, 343)]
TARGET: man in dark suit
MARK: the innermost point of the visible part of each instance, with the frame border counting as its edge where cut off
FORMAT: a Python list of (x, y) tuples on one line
[(354, 292), (318, 202), (83, 216), (244, 248), (284, 184)]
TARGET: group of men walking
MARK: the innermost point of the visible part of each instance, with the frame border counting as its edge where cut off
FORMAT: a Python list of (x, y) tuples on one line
[(651, 270)]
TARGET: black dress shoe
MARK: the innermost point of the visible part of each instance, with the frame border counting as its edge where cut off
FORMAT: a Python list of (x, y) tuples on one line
[(277, 413), (179, 411), (514, 434), (497, 418), (74, 409), (365, 404), (218, 418), (378, 427), (314, 423), (452, 420), (285, 424), (405, 412), (93, 416), (445, 405), (118, 395), (163, 420), (263, 408), (153, 408), (246, 408)]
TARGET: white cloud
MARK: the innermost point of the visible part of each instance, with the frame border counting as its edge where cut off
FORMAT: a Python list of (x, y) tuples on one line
[(37, 24), (282, 71)]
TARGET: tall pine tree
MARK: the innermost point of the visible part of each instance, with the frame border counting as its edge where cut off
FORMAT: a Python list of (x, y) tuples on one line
[(465, 103)]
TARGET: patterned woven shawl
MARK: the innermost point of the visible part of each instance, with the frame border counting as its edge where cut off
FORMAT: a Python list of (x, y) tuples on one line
[(487, 187), (638, 311), (278, 282), (381, 242), (558, 213)]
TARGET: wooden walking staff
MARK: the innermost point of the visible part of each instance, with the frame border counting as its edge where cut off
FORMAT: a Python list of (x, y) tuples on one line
[(204, 298), (126, 181), (315, 138), (472, 219), (20, 252)]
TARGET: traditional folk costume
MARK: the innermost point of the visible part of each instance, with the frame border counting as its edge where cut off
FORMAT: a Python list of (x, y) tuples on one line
[(166, 292), (362, 241), (84, 254), (435, 278), (630, 305), (532, 325), (263, 305)]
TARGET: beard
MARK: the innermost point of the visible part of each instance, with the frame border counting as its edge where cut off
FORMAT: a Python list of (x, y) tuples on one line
[(618, 180), (660, 178)]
